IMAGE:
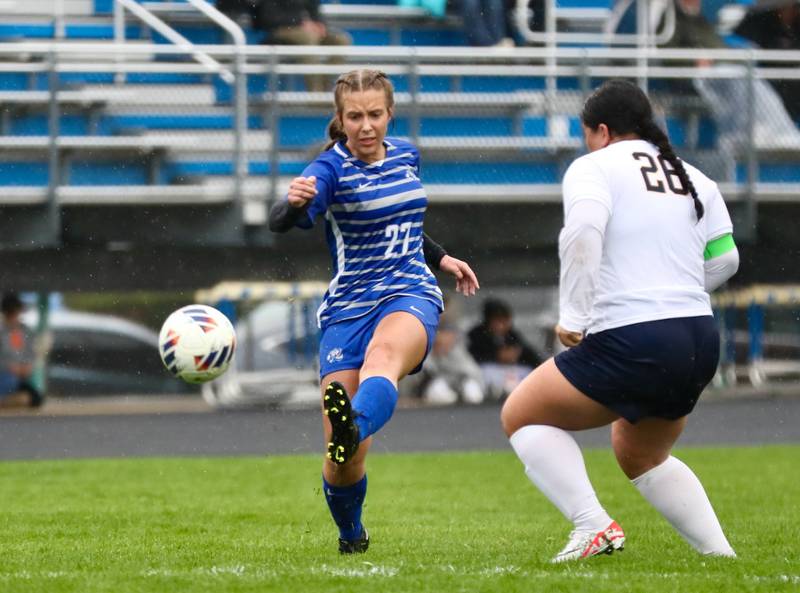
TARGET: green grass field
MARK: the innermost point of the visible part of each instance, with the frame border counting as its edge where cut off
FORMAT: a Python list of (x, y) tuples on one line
[(439, 522)]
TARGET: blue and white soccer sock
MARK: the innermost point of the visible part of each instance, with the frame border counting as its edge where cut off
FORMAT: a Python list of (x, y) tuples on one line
[(345, 504), (554, 463), (374, 404), (674, 490)]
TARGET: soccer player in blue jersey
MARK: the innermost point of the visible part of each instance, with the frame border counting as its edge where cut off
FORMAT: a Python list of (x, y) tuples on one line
[(380, 313)]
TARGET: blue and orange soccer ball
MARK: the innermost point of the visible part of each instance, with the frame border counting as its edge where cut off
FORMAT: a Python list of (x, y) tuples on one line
[(197, 343)]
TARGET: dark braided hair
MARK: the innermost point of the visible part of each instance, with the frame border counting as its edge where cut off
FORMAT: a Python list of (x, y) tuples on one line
[(355, 81), (625, 109)]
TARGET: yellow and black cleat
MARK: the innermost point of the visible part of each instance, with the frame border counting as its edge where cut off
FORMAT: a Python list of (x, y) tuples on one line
[(344, 437)]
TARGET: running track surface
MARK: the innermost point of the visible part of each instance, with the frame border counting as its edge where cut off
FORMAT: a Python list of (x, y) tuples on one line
[(269, 432)]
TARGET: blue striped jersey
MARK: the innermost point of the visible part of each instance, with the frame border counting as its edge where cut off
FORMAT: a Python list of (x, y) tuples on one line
[(373, 222)]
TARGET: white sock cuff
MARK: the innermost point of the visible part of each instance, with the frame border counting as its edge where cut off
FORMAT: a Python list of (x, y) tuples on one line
[(531, 429), (655, 472)]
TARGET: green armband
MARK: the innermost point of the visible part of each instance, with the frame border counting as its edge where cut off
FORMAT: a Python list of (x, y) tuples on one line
[(718, 246)]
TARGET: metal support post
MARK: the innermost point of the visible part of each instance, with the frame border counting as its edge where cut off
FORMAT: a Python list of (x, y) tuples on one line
[(240, 161), (53, 168), (755, 326), (750, 230), (119, 39), (59, 27), (274, 127), (413, 90)]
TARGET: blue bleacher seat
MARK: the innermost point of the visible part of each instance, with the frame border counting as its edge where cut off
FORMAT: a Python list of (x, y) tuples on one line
[(23, 173)]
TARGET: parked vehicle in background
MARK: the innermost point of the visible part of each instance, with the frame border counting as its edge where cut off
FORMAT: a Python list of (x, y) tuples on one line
[(95, 355)]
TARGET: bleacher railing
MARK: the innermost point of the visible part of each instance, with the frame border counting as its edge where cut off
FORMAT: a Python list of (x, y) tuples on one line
[(541, 88), (648, 33)]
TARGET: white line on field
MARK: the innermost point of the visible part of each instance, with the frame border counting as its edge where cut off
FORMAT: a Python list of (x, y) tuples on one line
[(369, 570)]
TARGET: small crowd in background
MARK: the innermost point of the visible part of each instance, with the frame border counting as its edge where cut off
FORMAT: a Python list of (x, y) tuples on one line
[(767, 24), (481, 364), (487, 23)]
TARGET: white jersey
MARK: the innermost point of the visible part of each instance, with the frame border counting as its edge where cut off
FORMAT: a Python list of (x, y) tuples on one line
[(651, 266)]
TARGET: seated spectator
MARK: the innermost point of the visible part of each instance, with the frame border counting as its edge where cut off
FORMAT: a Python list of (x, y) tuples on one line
[(503, 355), (775, 24), (16, 353), (727, 97), (485, 23), (450, 374), (299, 22), (243, 12), (693, 29)]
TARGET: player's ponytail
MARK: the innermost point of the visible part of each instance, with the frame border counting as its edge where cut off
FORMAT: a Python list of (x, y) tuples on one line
[(625, 109), (335, 132), (356, 81), (651, 132)]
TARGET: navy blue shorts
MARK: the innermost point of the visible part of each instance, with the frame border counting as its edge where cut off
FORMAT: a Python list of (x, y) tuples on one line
[(343, 345), (655, 368)]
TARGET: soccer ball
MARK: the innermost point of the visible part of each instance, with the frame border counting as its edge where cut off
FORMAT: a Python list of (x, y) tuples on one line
[(196, 343)]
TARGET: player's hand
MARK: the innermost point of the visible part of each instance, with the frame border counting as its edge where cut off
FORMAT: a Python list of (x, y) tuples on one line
[(301, 191), (466, 280), (568, 338)]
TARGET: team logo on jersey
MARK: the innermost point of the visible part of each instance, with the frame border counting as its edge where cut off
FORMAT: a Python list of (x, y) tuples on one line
[(335, 355)]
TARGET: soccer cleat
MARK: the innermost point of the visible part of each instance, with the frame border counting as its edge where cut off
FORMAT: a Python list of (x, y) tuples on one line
[(357, 546), (584, 544), (344, 438)]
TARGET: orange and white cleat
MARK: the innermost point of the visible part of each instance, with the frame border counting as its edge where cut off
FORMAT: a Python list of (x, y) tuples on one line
[(585, 544)]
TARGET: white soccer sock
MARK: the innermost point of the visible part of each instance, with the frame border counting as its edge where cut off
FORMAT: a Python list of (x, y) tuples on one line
[(554, 463), (674, 490)]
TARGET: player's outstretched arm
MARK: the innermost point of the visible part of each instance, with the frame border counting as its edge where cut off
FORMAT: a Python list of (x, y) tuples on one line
[(285, 214)]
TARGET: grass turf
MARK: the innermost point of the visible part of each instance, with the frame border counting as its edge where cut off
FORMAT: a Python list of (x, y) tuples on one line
[(439, 522)]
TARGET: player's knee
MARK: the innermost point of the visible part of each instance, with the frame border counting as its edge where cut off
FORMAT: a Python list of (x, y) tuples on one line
[(509, 420), (635, 463)]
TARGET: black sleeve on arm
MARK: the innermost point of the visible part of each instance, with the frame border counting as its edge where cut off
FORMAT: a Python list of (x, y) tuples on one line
[(283, 217), (433, 251)]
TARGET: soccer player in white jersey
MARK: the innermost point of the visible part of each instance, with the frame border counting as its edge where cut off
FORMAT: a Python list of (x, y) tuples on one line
[(380, 313), (645, 238)]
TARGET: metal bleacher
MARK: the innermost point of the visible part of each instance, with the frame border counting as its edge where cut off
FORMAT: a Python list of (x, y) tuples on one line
[(104, 107)]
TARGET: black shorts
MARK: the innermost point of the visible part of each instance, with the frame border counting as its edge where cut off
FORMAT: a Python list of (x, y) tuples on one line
[(655, 368)]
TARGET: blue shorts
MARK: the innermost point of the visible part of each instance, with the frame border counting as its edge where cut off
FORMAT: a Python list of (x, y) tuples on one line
[(655, 368), (343, 345)]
